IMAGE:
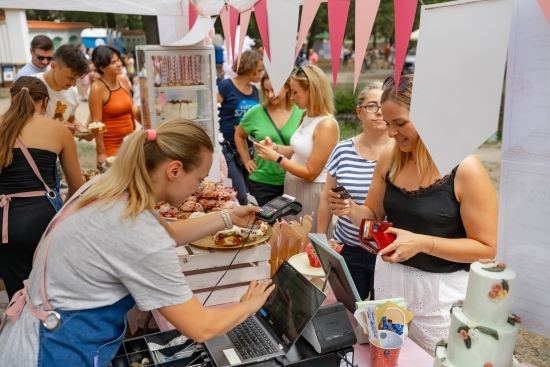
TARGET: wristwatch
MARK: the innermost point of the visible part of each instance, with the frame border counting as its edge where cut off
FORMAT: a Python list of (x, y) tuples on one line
[(279, 159)]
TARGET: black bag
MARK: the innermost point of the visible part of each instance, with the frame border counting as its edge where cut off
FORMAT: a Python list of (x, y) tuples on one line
[(238, 161)]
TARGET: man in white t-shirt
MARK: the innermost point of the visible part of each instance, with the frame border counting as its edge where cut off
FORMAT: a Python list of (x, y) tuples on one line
[(68, 65), (41, 57)]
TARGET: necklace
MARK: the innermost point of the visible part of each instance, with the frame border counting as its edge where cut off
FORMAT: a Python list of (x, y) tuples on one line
[(304, 124)]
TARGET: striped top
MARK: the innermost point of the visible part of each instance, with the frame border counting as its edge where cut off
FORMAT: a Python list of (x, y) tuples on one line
[(355, 174)]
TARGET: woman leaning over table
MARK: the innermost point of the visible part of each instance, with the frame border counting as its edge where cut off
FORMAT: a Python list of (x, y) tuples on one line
[(442, 222), (126, 255), (351, 165), (111, 103), (313, 142), (277, 118), (25, 208)]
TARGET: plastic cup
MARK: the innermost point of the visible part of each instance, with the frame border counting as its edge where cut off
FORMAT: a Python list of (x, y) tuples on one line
[(387, 353)]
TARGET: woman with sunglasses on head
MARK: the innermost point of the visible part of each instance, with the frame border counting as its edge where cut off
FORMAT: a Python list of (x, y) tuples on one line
[(277, 118), (351, 165), (311, 145), (442, 221), (108, 249), (30, 144)]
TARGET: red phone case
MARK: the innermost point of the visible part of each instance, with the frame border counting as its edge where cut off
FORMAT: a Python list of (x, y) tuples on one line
[(372, 236)]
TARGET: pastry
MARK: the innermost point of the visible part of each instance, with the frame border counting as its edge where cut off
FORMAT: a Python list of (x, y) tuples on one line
[(96, 127)]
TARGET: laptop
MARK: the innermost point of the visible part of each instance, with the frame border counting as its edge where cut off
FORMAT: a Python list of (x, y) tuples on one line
[(339, 276), (279, 323)]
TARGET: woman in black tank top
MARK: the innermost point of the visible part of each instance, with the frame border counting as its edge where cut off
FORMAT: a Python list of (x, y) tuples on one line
[(442, 222)]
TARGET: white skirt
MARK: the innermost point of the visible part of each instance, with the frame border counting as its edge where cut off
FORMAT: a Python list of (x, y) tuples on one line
[(429, 297)]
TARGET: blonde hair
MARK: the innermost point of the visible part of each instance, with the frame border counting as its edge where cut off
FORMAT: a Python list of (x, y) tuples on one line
[(177, 139), (25, 92), (265, 99), (424, 162), (314, 80)]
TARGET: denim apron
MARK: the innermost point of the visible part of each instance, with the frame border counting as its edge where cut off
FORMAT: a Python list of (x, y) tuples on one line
[(73, 338)]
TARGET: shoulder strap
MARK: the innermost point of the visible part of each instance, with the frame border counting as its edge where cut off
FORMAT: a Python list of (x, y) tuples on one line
[(124, 84), (275, 126), (33, 165)]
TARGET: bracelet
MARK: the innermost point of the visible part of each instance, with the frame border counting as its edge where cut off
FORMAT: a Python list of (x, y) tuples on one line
[(433, 244), (227, 219), (281, 161), (276, 147)]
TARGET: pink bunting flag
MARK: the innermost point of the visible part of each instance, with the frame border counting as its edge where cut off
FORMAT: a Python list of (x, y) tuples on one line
[(224, 17), (233, 22), (309, 10), (337, 17), (405, 11), (192, 15), (260, 13), (245, 19), (545, 6), (366, 9)]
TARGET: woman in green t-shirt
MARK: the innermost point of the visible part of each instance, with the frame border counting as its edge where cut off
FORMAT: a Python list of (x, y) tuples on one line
[(278, 118)]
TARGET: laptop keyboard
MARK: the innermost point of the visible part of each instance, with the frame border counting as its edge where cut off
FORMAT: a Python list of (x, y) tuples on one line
[(250, 340)]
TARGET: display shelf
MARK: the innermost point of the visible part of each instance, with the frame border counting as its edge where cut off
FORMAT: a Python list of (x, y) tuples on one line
[(181, 88), (159, 69)]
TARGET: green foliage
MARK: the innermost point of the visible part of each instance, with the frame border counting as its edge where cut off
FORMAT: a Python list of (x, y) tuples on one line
[(119, 21), (349, 129), (344, 100)]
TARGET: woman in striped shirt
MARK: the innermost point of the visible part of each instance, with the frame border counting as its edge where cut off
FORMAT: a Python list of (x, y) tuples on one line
[(351, 165)]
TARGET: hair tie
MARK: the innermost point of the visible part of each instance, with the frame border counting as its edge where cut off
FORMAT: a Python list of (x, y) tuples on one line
[(151, 135), (25, 88)]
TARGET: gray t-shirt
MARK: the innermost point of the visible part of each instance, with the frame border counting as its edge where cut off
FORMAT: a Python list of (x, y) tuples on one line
[(29, 70), (96, 259)]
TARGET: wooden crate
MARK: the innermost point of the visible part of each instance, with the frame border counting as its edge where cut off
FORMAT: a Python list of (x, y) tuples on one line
[(203, 268)]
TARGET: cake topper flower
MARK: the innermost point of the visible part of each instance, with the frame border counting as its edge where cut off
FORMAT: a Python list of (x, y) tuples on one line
[(514, 319), (492, 265), (499, 291), (471, 332)]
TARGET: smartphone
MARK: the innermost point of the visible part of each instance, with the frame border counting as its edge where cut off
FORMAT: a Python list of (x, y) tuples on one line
[(344, 194), (253, 139)]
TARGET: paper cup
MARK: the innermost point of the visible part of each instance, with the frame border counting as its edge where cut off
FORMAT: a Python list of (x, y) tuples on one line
[(387, 353)]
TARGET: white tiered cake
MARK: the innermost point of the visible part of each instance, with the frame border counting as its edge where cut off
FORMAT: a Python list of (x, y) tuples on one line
[(483, 332)]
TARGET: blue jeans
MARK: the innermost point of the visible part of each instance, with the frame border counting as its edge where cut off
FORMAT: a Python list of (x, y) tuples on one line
[(236, 175)]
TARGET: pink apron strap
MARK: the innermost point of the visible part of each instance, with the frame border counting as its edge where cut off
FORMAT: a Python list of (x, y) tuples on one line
[(67, 210), (5, 204), (33, 165)]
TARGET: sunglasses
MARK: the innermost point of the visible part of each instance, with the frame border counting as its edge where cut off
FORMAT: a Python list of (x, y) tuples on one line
[(42, 58), (300, 70), (404, 82)]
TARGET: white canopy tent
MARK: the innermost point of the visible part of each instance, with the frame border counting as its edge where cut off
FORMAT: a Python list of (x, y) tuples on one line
[(137, 7)]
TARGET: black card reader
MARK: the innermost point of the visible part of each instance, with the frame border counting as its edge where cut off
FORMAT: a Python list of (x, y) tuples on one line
[(278, 208)]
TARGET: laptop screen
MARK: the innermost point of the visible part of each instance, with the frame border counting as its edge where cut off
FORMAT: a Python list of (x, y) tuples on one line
[(292, 304)]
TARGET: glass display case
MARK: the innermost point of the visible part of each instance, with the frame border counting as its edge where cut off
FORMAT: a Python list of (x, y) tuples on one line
[(180, 82)]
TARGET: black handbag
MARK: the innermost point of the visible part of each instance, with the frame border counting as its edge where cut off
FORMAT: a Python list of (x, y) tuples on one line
[(238, 160)]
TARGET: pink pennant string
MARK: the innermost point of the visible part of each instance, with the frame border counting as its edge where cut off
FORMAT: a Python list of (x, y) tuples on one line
[(405, 11), (260, 13), (337, 17)]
